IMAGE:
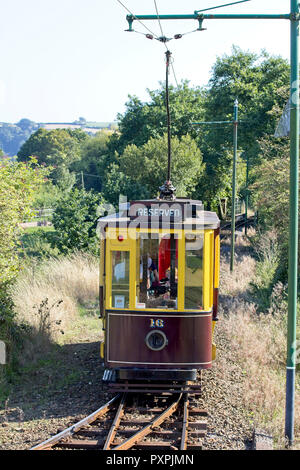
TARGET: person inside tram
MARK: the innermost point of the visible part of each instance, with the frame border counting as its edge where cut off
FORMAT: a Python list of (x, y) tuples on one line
[(152, 273)]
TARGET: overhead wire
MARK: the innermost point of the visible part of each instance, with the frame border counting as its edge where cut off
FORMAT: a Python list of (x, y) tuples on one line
[(222, 6), (124, 6), (163, 39), (162, 33), (161, 30)]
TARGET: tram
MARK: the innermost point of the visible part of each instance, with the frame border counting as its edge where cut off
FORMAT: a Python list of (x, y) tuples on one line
[(159, 280)]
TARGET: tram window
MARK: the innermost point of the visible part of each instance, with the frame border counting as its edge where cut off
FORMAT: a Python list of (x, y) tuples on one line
[(158, 271), (120, 279), (193, 297)]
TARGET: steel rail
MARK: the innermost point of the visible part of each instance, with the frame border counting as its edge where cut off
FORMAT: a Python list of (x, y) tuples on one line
[(184, 435), (76, 427), (115, 424), (139, 435)]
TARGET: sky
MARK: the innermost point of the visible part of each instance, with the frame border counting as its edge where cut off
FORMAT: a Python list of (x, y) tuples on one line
[(69, 58)]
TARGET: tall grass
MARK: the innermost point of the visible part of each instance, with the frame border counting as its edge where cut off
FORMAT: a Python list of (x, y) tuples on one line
[(65, 283), (255, 328)]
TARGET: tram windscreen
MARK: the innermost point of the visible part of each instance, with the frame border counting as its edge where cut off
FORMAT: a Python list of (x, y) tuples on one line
[(120, 279), (193, 297), (158, 272)]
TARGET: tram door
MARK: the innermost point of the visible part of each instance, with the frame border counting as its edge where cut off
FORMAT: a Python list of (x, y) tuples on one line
[(158, 271)]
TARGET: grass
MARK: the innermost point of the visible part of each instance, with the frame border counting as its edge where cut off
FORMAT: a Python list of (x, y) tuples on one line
[(257, 336), (36, 243), (56, 304), (62, 283)]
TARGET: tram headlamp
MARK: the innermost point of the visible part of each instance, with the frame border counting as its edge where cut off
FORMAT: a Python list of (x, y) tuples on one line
[(156, 340)]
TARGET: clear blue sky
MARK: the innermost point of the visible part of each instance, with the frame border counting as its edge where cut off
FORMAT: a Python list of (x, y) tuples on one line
[(63, 59)]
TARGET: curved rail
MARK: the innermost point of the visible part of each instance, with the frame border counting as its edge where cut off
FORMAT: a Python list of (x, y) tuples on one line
[(123, 423)]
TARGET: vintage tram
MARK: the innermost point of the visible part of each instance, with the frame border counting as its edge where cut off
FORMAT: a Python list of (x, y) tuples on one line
[(159, 279)]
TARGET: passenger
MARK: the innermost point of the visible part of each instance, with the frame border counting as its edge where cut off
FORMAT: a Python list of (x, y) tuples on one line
[(152, 273)]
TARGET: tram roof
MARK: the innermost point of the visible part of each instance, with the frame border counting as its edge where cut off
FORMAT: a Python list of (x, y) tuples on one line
[(181, 213)]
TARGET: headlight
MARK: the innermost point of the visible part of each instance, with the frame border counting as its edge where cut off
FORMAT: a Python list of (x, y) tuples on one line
[(156, 340)]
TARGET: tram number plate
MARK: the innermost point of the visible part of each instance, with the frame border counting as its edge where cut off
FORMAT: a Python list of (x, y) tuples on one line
[(157, 323)]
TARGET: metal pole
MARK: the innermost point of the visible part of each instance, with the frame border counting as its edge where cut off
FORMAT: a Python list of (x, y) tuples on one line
[(235, 132), (247, 196), (197, 16), (293, 226), (82, 180)]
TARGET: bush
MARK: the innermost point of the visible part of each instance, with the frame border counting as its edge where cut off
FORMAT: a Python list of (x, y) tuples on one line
[(75, 221)]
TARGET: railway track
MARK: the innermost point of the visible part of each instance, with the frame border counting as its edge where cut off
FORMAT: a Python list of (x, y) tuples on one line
[(240, 221), (136, 421)]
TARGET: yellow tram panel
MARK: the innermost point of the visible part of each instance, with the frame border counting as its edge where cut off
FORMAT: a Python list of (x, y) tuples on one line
[(122, 240)]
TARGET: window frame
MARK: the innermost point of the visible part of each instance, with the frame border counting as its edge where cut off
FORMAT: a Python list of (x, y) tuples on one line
[(130, 243)]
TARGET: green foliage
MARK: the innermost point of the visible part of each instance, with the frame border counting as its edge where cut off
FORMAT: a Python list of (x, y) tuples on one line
[(47, 196), (271, 188), (141, 121), (58, 148), (18, 185), (36, 244), (142, 170), (259, 83), (93, 163), (75, 221), (268, 268), (117, 183)]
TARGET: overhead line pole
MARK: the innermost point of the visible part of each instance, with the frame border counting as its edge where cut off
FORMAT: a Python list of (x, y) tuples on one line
[(293, 227), (206, 16), (294, 18), (247, 196), (235, 137), (235, 123)]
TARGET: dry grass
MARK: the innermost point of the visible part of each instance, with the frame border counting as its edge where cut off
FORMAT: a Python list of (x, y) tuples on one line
[(72, 280), (237, 282), (258, 343)]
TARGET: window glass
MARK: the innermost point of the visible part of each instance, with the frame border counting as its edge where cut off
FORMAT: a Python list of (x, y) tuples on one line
[(193, 292), (120, 279), (158, 271)]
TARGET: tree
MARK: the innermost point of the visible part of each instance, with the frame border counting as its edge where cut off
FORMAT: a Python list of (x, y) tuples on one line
[(257, 81), (144, 120), (58, 148), (19, 183), (94, 160), (142, 170), (75, 221)]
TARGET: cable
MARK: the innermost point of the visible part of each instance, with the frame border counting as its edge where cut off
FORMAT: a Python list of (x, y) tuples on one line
[(221, 6), (174, 73), (163, 38), (158, 18), (155, 35)]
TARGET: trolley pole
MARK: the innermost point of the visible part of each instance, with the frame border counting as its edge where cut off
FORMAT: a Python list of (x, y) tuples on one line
[(293, 227), (235, 135)]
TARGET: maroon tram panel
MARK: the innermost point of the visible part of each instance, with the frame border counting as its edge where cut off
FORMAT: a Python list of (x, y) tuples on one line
[(189, 339)]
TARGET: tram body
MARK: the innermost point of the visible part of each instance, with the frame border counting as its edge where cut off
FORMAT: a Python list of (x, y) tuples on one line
[(159, 280)]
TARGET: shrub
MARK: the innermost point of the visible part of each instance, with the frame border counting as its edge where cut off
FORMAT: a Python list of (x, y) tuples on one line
[(75, 221)]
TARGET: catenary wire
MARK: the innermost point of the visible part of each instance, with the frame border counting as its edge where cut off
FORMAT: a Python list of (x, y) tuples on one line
[(124, 6), (222, 6)]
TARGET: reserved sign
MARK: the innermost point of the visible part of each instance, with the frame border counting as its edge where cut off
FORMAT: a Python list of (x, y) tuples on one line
[(158, 212)]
